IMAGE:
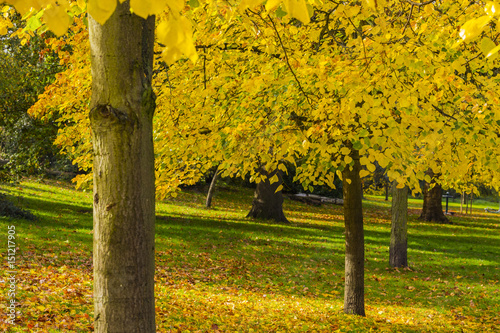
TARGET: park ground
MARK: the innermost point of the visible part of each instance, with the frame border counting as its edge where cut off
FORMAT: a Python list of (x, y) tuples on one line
[(217, 271)]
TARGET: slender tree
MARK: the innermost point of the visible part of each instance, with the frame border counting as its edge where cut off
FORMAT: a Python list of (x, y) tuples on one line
[(398, 251), (211, 189), (354, 297)]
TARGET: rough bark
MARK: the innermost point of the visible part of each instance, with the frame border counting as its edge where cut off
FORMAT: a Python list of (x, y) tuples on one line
[(354, 293), (398, 250), (267, 203), (432, 210), (122, 108), (211, 189)]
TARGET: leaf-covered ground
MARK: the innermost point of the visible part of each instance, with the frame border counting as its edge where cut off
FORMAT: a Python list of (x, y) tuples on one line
[(220, 272)]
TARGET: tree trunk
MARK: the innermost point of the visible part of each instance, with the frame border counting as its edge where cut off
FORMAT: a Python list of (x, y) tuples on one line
[(432, 210), (122, 108), (211, 189), (471, 199), (386, 186), (354, 294), (398, 252), (267, 203), (462, 199)]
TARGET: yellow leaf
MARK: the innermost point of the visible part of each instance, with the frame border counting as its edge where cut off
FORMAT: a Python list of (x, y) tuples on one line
[(141, 8), (24, 6), (177, 36), (101, 10), (298, 10), (486, 46), (364, 160), (474, 27), (249, 4), (279, 189), (372, 4), (348, 159), (274, 179), (144, 8), (57, 19), (345, 151), (494, 51), (371, 167), (4, 25), (271, 4), (174, 5), (81, 3), (383, 162), (492, 9), (363, 173)]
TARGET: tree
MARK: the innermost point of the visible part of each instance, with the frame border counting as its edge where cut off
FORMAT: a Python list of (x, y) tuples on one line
[(25, 69), (398, 250), (211, 189), (432, 209), (268, 199), (121, 117), (354, 294)]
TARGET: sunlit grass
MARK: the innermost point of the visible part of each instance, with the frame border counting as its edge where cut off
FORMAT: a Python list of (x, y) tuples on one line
[(217, 270)]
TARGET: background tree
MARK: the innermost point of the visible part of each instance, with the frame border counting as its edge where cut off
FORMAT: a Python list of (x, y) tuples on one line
[(432, 209), (398, 250), (268, 198), (25, 69)]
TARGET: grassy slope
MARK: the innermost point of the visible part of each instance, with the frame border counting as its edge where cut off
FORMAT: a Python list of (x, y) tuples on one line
[(217, 270)]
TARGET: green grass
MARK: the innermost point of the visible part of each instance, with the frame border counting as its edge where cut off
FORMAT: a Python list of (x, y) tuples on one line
[(217, 269)]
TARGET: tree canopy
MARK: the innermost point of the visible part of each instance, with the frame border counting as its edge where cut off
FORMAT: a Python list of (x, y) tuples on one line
[(264, 88)]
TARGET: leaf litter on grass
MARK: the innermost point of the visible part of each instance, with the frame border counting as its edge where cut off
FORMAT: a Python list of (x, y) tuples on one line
[(220, 272)]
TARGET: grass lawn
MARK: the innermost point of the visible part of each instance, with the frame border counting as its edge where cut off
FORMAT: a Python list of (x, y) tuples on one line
[(217, 271)]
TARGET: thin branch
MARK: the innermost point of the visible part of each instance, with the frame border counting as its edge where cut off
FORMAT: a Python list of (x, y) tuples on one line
[(288, 62), (408, 20)]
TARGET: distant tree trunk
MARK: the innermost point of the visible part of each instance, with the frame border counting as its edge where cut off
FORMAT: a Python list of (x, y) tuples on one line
[(432, 210), (471, 199), (386, 186), (267, 203), (398, 251), (211, 189), (121, 116), (354, 293), (462, 200)]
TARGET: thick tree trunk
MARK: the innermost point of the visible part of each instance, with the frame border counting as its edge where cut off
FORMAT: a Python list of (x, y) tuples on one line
[(354, 294), (122, 108), (432, 210), (267, 203), (398, 251), (211, 189)]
